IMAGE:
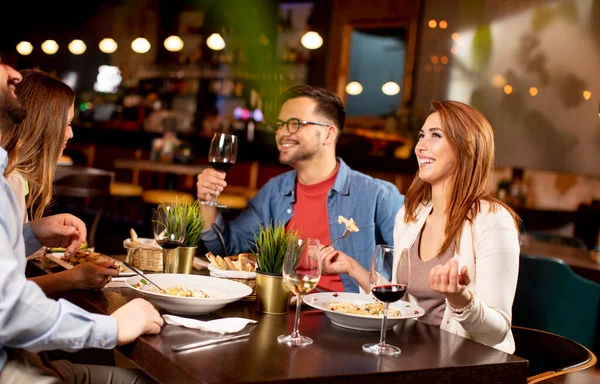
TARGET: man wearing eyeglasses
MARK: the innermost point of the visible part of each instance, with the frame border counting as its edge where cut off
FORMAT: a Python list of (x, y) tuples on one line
[(311, 197)]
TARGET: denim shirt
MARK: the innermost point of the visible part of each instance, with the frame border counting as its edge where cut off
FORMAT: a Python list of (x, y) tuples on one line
[(28, 319), (372, 203)]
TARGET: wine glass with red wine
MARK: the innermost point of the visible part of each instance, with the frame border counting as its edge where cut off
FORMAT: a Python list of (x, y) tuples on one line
[(221, 156), (386, 292), (169, 224)]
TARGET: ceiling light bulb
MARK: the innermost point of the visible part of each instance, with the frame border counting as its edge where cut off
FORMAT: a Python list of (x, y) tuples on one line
[(390, 88), (215, 42), (108, 45), (173, 43), (77, 47), (311, 40), (354, 88), (24, 48), (50, 47), (140, 45)]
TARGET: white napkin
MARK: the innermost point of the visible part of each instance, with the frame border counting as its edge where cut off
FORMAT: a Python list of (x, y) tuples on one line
[(200, 264), (222, 326)]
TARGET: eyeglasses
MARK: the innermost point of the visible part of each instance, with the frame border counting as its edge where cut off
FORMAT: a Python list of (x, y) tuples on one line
[(293, 125)]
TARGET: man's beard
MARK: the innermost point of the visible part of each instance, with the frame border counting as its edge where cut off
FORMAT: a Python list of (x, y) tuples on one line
[(12, 112), (302, 154)]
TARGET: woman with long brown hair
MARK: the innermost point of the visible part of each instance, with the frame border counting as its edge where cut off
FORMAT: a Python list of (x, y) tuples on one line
[(34, 147), (37, 143), (462, 242)]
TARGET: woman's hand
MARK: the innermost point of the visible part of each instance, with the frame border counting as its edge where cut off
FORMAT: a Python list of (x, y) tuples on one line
[(446, 280), (334, 262), (92, 275)]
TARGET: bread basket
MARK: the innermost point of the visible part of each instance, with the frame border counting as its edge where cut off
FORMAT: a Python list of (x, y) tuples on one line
[(144, 254), (248, 278)]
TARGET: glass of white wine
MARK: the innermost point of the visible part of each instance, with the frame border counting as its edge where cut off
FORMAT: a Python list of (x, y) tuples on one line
[(301, 273)]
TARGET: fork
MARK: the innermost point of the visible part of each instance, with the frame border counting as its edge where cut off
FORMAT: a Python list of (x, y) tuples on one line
[(136, 271), (345, 234)]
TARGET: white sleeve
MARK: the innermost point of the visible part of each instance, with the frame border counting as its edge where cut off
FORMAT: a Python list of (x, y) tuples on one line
[(496, 247), (17, 184)]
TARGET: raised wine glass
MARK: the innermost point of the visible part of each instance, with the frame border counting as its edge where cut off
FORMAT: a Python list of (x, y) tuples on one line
[(301, 273), (221, 156), (169, 226), (386, 292)]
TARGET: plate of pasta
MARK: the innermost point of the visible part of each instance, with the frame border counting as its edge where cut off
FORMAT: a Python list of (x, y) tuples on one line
[(188, 294), (360, 311)]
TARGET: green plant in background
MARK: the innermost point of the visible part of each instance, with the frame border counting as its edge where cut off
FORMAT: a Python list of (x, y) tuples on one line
[(194, 224), (481, 48), (270, 244)]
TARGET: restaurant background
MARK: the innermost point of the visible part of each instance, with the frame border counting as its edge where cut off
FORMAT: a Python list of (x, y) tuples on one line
[(528, 65)]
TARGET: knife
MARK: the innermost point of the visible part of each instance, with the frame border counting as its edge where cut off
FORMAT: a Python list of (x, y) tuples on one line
[(198, 344)]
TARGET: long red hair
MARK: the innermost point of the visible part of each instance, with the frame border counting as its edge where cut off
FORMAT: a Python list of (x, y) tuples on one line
[(471, 137)]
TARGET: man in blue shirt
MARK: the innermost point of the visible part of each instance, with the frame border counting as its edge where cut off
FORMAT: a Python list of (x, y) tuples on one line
[(310, 122), (28, 319)]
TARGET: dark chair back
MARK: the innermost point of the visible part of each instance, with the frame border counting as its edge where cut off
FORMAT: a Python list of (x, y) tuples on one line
[(83, 191), (551, 297), (550, 355)]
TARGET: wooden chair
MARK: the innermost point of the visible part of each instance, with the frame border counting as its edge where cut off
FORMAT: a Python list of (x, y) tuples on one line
[(88, 186), (550, 355), (552, 298)]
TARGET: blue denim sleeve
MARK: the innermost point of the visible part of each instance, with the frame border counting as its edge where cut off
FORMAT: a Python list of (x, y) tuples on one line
[(239, 233)]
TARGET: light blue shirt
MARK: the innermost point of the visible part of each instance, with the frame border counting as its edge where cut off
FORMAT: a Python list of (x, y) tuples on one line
[(28, 319), (372, 203)]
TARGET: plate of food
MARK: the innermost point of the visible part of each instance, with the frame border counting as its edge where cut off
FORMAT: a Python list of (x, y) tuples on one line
[(85, 256), (360, 311), (188, 294)]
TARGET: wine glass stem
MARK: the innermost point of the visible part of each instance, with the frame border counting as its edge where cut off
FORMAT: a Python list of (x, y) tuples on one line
[(383, 324), (169, 261), (295, 333)]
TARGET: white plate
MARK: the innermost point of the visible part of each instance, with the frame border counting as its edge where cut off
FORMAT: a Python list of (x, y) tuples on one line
[(58, 259), (217, 272), (227, 291), (360, 322)]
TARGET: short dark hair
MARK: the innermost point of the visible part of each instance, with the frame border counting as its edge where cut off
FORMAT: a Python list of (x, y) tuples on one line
[(328, 103)]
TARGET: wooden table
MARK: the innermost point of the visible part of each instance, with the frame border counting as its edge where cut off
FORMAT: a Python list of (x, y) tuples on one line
[(428, 354), (583, 262), (157, 166)]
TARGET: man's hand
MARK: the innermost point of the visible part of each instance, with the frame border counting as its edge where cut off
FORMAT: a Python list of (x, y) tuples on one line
[(64, 230), (210, 183), (138, 317)]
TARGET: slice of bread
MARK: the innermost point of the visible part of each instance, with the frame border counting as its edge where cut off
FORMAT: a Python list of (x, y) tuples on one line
[(222, 263), (230, 263), (247, 262), (212, 260)]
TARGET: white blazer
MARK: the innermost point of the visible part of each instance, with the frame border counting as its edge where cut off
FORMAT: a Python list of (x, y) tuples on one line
[(489, 247)]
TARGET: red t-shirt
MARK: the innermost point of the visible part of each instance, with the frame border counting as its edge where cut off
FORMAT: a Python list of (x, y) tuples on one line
[(312, 220)]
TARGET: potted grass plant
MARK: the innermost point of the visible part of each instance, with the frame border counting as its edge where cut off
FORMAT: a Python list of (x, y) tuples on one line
[(194, 223), (269, 247)]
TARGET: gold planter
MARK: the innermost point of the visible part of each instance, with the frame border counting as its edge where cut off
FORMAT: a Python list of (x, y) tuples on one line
[(272, 294), (185, 259)]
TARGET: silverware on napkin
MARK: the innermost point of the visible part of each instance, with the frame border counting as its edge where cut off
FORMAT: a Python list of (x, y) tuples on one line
[(198, 344)]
